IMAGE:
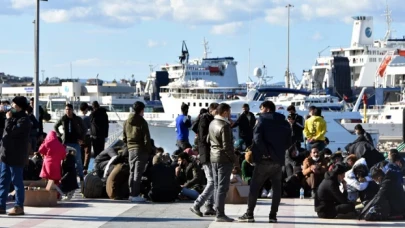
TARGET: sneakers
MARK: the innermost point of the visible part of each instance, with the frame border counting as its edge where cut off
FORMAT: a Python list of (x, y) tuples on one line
[(136, 199), (209, 211), (270, 195), (246, 218), (313, 193), (272, 219), (224, 219), (15, 211), (264, 193), (196, 211)]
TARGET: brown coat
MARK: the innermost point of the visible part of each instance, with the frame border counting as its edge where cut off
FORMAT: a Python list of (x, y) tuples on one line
[(308, 162)]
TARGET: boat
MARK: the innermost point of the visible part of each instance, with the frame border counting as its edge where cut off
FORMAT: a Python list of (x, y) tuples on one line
[(348, 69)]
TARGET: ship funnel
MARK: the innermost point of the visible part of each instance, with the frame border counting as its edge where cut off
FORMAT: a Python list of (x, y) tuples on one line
[(362, 33)]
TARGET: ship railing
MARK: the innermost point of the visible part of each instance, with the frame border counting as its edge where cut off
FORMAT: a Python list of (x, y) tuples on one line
[(377, 107), (114, 138)]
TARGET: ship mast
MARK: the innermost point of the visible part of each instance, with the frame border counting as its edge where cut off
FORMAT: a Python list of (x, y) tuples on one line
[(206, 49), (388, 20)]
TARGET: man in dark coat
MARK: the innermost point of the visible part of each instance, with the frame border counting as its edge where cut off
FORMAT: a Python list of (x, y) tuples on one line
[(99, 128), (297, 126), (14, 155), (366, 150), (390, 199), (329, 200), (272, 137), (246, 122), (74, 132)]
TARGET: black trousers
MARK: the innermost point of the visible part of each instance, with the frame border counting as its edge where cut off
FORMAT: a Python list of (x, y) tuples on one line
[(98, 145), (263, 171), (340, 209)]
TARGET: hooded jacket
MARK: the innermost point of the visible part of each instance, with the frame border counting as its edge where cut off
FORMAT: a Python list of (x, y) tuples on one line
[(54, 152), (99, 123), (351, 180), (202, 133), (315, 128), (366, 150), (136, 134), (271, 137), (14, 145)]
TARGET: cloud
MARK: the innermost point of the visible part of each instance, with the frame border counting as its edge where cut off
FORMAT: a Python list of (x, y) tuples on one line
[(154, 43), (228, 28), (126, 13), (317, 36), (96, 62)]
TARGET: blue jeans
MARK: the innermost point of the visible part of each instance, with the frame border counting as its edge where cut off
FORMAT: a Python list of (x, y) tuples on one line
[(79, 164), (221, 173), (190, 193), (10, 174), (207, 196)]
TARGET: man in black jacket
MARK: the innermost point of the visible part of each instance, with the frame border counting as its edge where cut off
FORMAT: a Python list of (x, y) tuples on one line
[(99, 128), (297, 127), (246, 122), (14, 155), (207, 196), (271, 139), (74, 132)]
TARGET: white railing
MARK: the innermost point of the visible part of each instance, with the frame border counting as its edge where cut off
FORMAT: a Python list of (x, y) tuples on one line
[(113, 138)]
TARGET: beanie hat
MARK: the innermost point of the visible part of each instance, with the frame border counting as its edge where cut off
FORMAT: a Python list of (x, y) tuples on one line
[(21, 102)]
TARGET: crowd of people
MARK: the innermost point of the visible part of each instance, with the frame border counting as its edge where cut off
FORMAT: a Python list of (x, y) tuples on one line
[(277, 156)]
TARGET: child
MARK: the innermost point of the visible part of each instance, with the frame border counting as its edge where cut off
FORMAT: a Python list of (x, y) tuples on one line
[(53, 152), (235, 177), (69, 181)]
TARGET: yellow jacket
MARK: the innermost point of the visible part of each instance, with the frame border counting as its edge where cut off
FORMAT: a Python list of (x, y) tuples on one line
[(315, 128)]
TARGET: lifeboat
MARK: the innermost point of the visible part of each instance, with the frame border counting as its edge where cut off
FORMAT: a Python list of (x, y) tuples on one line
[(384, 65), (213, 69), (401, 53)]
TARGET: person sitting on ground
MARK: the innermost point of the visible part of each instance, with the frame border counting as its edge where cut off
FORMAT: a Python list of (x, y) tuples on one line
[(247, 167), (69, 181), (334, 159), (400, 161), (359, 183), (366, 150), (293, 172), (389, 202), (330, 202), (102, 161), (164, 184), (236, 179), (314, 168), (326, 154), (190, 176), (315, 130), (350, 160)]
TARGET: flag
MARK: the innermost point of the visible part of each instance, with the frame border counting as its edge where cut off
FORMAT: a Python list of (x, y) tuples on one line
[(365, 99)]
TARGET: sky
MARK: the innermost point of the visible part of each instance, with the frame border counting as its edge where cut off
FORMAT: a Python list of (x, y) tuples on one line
[(120, 38)]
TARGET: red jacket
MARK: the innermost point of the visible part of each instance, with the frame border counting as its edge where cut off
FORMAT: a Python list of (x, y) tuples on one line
[(54, 152)]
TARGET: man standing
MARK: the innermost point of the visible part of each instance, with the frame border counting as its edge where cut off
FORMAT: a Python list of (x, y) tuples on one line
[(99, 128), (183, 123), (40, 117), (207, 196), (137, 138), (14, 155), (222, 158), (297, 126), (271, 139), (73, 134), (86, 145), (246, 122)]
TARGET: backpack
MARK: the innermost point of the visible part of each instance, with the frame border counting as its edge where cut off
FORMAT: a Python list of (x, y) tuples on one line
[(93, 186), (117, 182)]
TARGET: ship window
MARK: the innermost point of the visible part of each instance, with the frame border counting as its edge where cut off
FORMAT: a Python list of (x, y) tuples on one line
[(200, 104), (188, 103), (206, 104), (194, 104)]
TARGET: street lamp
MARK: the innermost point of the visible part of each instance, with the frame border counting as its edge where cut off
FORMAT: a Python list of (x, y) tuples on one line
[(289, 6), (36, 51)]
